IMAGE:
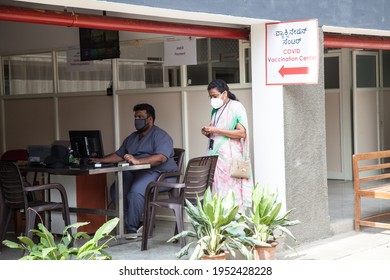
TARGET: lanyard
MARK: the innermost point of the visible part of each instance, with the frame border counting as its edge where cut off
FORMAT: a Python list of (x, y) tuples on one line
[(215, 122)]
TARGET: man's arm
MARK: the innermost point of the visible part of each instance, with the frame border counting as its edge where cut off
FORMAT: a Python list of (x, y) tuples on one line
[(153, 160), (111, 158)]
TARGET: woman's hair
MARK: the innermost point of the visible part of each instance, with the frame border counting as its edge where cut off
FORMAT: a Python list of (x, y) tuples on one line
[(221, 86)]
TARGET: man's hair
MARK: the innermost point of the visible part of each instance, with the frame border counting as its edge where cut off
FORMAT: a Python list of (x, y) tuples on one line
[(147, 107)]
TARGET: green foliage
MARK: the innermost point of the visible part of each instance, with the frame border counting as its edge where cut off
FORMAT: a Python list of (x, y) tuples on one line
[(217, 227), (265, 219), (48, 249)]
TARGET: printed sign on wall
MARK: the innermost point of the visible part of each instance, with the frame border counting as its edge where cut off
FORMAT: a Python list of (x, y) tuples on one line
[(180, 51), (292, 52), (73, 62)]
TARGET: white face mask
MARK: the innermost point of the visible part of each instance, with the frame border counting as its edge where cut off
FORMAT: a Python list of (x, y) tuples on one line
[(216, 103)]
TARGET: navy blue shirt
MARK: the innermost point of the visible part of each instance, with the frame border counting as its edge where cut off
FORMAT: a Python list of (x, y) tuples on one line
[(156, 141)]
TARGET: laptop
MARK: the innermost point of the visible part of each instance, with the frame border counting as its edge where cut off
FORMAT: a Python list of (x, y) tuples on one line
[(37, 154)]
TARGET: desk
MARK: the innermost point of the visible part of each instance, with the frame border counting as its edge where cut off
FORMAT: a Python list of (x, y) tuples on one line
[(91, 171)]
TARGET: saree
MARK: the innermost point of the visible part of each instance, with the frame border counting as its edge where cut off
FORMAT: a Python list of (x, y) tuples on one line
[(227, 117)]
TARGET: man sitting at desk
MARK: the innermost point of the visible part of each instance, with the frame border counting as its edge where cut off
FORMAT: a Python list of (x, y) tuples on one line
[(149, 144)]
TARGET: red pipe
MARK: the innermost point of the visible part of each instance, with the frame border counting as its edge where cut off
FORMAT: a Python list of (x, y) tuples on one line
[(356, 42), (105, 22)]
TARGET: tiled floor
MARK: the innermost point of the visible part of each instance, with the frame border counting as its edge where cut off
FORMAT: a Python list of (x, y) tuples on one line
[(340, 211), (341, 205)]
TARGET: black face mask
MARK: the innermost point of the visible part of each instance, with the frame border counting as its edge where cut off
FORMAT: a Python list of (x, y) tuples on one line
[(139, 124)]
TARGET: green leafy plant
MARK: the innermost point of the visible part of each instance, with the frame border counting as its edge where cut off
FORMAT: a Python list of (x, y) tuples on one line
[(265, 219), (216, 225), (48, 249)]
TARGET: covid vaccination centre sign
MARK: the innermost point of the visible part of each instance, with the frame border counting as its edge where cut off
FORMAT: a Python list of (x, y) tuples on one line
[(292, 52)]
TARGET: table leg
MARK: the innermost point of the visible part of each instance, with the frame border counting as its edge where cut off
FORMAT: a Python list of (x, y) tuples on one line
[(119, 199), (47, 197)]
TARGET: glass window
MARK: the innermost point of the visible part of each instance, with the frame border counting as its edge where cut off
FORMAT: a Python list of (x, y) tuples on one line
[(141, 65), (28, 74), (221, 56), (248, 66), (6, 77), (154, 75), (174, 77), (225, 60), (131, 74), (197, 74), (366, 71), (386, 68), (94, 76), (332, 73), (202, 50)]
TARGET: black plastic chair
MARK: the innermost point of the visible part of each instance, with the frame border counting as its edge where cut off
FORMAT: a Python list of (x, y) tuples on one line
[(16, 155), (198, 177), (179, 158), (14, 197), (170, 192)]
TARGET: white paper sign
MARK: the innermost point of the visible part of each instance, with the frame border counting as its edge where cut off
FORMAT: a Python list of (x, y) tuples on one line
[(180, 51), (73, 62), (292, 54)]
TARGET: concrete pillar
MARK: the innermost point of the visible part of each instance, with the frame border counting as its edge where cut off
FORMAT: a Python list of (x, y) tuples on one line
[(305, 145)]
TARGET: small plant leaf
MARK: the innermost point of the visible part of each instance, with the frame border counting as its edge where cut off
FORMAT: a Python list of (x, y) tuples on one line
[(13, 245), (48, 249)]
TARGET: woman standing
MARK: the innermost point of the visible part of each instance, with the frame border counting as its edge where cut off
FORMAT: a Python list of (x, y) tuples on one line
[(228, 138)]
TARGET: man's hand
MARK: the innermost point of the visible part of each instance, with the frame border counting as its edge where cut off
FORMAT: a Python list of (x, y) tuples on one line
[(131, 159)]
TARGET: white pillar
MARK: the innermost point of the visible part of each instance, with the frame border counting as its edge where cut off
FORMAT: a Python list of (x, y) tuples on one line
[(268, 122)]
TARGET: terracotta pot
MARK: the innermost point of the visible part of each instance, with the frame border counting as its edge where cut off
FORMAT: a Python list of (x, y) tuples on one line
[(221, 256), (265, 253)]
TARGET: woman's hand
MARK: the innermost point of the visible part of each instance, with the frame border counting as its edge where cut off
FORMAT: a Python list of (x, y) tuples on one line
[(237, 133), (208, 130)]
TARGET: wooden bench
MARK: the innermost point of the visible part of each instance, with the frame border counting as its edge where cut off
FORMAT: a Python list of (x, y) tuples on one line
[(371, 175)]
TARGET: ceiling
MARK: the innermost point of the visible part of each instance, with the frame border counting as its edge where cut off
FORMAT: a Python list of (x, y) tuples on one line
[(121, 10), (108, 15)]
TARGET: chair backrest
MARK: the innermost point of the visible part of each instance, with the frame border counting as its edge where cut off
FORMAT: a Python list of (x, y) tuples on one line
[(179, 157), (199, 176), (11, 185), (15, 155)]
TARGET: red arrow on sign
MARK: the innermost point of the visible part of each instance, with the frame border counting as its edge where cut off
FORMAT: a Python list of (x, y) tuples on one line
[(293, 70)]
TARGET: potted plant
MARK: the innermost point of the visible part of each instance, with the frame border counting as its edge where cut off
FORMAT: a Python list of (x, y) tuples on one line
[(48, 249), (215, 228), (266, 223)]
